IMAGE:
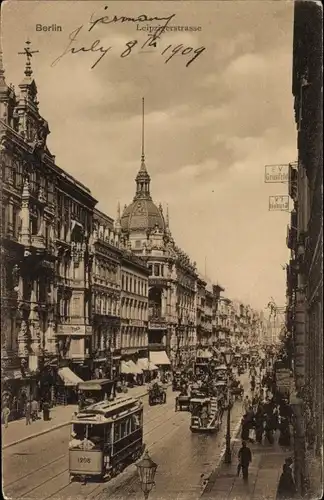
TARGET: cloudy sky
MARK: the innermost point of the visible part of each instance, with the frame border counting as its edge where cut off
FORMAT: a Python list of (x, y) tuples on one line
[(211, 127)]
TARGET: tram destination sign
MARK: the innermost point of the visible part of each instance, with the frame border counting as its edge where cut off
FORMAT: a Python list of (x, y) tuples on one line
[(276, 174), (279, 203)]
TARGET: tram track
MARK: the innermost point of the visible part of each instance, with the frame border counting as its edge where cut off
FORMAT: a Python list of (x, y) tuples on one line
[(78, 489), (21, 478), (11, 487)]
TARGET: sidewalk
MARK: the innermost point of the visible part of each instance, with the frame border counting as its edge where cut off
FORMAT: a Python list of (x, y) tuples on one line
[(18, 431), (264, 474)]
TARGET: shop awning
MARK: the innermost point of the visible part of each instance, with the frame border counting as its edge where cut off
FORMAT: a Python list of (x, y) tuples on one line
[(124, 368), (129, 367), (159, 358), (69, 378), (146, 365), (133, 368)]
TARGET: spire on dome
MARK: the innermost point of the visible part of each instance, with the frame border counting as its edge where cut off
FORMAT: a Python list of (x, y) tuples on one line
[(167, 221), (142, 179)]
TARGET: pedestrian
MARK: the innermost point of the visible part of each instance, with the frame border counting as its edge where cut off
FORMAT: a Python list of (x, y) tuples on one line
[(245, 458), (286, 487), (5, 415), (246, 405), (34, 409), (46, 411), (28, 413), (284, 438), (245, 428), (269, 429), (259, 423)]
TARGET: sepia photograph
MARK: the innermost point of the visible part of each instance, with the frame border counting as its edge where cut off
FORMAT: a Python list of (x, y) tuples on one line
[(161, 249)]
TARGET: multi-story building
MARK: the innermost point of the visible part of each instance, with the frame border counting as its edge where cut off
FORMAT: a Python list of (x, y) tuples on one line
[(202, 338), (134, 309), (106, 277), (74, 215), (223, 322), (46, 223), (305, 240), (172, 280), (217, 290)]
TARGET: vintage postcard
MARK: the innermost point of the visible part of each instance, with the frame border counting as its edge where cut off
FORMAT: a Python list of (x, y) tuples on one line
[(161, 249)]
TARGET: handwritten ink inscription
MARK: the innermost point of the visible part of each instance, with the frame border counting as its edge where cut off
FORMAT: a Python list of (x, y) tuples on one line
[(154, 41)]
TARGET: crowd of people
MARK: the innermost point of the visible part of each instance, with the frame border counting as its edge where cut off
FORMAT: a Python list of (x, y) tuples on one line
[(266, 416)]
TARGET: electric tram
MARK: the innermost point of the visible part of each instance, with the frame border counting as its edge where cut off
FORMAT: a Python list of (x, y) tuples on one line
[(106, 437)]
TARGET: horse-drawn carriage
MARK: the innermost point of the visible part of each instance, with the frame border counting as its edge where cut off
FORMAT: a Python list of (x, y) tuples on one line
[(182, 402), (157, 394), (178, 381), (237, 390), (205, 414)]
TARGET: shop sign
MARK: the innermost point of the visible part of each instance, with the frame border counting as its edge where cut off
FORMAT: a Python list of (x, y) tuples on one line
[(279, 203), (78, 330), (157, 326), (276, 174), (136, 322)]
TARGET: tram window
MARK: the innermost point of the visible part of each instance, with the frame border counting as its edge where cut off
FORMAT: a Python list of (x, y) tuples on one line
[(135, 422), (117, 432), (80, 431), (123, 429)]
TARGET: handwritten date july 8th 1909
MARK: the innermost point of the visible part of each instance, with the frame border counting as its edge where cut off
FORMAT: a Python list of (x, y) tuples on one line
[(153, 41)]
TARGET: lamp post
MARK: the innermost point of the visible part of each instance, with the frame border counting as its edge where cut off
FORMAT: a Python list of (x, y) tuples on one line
[(228, 356), (146, 469)]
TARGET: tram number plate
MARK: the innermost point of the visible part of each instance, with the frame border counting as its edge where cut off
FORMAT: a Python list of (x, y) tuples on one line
[(91, 462)]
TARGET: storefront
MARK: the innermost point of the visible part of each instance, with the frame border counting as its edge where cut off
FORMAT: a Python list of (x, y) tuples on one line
[(67, 385), (160, 359), (17, 388)]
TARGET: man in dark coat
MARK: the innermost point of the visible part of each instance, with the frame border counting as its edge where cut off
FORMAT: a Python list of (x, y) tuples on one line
[(245, 458)]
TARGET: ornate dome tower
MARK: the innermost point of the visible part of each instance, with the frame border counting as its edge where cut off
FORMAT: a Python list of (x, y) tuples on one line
[(142, 215)]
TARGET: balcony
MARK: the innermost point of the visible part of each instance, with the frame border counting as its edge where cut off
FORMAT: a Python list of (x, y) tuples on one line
[(62, 281), (291, 239), (38, 241)]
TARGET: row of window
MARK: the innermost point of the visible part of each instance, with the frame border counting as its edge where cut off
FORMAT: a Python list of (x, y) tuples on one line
[(157, 270), (106, 305), (134, 339), (138, 310), (133, 284), (106, 272)]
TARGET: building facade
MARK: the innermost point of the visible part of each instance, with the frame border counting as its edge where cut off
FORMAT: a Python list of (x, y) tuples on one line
[(46, 223), (134, 308), (105, 280), (305, 240)]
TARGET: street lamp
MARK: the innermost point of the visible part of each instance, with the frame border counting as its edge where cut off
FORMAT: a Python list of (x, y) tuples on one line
[(146, 469), (228, 357)]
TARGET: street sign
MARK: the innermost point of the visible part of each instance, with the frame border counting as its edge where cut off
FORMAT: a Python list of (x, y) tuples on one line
[(276, 173), (279, 203)]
